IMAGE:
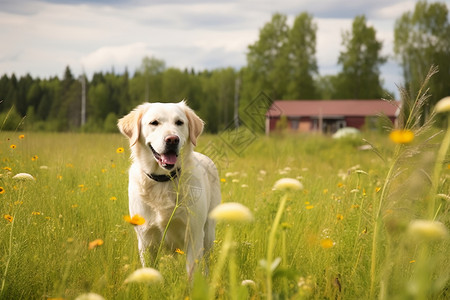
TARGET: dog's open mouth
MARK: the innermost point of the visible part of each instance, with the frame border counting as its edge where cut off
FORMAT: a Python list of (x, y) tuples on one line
[(166, 160)]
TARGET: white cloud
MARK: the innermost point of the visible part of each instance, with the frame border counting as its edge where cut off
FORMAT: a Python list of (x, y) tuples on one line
[(115, 56)]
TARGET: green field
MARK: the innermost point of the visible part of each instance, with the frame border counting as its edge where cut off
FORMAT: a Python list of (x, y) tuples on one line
[(344, 236)]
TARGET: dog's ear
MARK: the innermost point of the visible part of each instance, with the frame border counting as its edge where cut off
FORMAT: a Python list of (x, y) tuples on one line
[(195, 124), (130, 125)]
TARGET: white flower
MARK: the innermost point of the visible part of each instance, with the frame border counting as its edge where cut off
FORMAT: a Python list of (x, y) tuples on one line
[(248, 282), (89, 296), (427, 230), (288, 184), (231, 212), (24, 176), (145, 275), (443, 105)]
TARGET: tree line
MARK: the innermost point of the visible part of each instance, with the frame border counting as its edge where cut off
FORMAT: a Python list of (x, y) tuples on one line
[(281, 63)]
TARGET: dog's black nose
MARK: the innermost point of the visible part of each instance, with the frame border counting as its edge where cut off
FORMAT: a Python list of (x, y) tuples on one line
[(172, 140)]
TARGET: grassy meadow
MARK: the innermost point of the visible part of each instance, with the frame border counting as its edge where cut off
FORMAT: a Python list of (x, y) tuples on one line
[(345, 235)]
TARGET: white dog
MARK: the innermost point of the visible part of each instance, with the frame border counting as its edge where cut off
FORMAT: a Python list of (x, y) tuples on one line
[(172, 187)]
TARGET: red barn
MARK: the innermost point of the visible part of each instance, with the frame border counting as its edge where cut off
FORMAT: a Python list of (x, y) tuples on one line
[(327, 115)]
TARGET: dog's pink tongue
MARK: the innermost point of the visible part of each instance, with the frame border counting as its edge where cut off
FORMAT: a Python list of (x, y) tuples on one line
[(169, 158)]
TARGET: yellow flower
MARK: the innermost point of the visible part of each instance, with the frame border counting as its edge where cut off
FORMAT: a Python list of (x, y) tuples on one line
[(223, 180), (36, 213), (401, 136), (284, 184), (2, 190), (326, 243), (135, 220), (339, 217), (309, 207), (412, 261), (12, 146), (95, 243), (120, 150), (231, 212), (179, 251), (8, 218), (34, 158), (7, 168), (113, 198), (443, 105), (22, 136), (145, 275)]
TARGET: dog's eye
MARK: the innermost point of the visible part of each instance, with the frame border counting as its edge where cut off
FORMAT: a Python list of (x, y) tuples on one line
[(179, 123), (154, 123)]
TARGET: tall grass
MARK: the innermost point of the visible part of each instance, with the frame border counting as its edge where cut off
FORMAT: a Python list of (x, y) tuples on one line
[(325, 237)]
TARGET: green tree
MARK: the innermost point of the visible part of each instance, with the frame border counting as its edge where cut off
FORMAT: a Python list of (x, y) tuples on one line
[(302, 60), (360, 61), (267, 59), (422, 39)]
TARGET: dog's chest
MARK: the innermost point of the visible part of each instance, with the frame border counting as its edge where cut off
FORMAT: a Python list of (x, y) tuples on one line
[(162, 200)]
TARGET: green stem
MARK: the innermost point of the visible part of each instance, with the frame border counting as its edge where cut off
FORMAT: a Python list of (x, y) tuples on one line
[(161, 244), (220, 263), (271, 245), (438, 169), (9, 256)]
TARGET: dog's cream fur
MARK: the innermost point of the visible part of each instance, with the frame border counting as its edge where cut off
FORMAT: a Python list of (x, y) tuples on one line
[(196, 188)]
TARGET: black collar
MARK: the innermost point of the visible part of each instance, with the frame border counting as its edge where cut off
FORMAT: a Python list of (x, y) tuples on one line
[(163, 177)]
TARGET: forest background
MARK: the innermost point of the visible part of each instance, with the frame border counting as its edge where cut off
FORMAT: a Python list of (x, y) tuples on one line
[(281, 64)]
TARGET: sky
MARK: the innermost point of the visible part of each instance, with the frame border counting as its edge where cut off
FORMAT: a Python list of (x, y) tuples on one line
[(43, 37)]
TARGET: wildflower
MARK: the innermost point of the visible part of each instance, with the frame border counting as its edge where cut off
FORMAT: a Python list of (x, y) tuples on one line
[(412, 261), (377, 189), (103, 170), (7, 169), (59, 177), (89, 296), (2, 190), (427, 230), (145, 275), (309, 206), (21, 137), (179, 251), (95, 243), (24, 176), (249, 283), (231, 212), (339, 217), (223, 180), (8, 218), (443, 105), (135, 220), (340, 184), (12, 146), (401, 136), (326, 243), (120, 150), (113, 198), (36, 213), (34, 158), (284, 184)]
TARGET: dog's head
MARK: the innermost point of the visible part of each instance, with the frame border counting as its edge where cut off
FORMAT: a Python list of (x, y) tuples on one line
[(161, 131)]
